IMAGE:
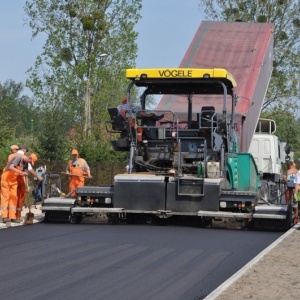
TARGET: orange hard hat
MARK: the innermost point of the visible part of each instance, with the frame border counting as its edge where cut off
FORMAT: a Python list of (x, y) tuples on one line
[(33, 158), (14, 147)]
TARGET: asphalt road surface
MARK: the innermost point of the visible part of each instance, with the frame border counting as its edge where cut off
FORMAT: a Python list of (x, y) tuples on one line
[(70, 261)]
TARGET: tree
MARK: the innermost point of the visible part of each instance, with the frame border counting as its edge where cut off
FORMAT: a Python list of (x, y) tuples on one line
[(284, 14), (287, 126), (16, 111), (72, 74), (50, 143)]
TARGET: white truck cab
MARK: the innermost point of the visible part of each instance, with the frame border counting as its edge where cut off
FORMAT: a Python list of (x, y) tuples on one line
[(269, 153)]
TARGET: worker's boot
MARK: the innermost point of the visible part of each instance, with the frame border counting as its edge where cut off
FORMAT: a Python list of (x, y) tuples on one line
[(16, 220)]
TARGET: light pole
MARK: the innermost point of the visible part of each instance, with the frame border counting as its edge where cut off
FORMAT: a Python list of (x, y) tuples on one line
[(87, 109), (31, 130), (88, 123)]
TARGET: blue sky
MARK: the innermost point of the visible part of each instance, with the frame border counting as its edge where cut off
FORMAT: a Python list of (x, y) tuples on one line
[(165, 31)]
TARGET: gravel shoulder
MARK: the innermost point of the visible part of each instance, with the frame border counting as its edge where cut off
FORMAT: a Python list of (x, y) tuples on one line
[(273, 274)]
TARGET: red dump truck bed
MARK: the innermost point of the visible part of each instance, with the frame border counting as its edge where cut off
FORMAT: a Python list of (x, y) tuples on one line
[(246, 51)]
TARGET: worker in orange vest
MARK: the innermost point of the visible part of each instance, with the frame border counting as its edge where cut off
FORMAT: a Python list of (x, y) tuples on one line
[(23, 187), (13, 152), (9, 183), (78, 169)]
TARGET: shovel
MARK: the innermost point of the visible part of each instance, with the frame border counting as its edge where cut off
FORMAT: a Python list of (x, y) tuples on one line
[(75, 175), (29, 218), (69, 194)]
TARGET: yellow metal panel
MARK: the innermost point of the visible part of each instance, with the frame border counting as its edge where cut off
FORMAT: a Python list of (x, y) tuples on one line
[(180, 73)]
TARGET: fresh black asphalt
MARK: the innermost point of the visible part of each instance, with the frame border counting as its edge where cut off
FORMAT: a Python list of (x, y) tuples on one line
[(101, 261)]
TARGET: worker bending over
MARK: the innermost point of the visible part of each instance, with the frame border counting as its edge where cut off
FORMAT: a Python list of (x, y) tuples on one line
[(16, 167), (23, 187)]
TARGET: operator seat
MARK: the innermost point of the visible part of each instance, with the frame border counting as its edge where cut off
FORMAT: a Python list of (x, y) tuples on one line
[(208, 117), (117, 122)]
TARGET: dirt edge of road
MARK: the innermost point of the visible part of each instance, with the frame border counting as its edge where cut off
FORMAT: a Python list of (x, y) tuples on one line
[(273, 274)]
